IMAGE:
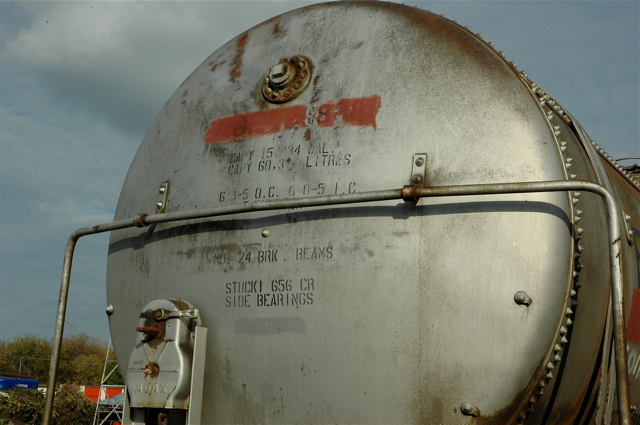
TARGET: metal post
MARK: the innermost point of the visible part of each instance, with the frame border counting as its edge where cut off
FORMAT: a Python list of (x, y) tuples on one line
[(57, 338)]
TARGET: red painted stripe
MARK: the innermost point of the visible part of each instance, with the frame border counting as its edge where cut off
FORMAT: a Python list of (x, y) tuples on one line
[(251, 124), (360, 112), (633, 324)]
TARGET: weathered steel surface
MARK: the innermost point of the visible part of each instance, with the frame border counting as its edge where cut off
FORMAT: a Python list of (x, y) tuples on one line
[(385, 313)]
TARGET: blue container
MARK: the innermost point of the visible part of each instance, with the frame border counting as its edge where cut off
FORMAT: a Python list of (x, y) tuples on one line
[(9, 383)]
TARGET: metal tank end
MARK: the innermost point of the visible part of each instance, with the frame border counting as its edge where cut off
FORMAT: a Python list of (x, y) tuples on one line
[(466, 408)]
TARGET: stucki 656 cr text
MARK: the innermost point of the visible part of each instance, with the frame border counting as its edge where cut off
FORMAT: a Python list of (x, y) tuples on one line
[(360, 212)]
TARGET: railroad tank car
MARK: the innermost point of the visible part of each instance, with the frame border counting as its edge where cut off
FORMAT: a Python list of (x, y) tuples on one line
[(360, 212)]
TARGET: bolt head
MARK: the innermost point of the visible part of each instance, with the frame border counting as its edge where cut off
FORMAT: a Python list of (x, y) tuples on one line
[(469, 409), (279, 73), (278, 70), (416, 178), (521, 298)]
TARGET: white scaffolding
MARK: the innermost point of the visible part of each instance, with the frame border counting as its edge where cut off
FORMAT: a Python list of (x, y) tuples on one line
[(108, 409)]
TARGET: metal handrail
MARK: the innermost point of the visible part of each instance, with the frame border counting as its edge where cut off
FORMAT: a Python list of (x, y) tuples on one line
[(407, 193)]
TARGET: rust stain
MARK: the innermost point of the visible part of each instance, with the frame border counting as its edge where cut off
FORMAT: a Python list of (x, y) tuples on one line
[(278, 31), (307, 134), (154, 330), (275, 18), (152, 370), (237, 60), (216, 65)]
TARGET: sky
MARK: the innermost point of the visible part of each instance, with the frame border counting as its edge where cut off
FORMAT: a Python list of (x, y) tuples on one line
[(81, 82)]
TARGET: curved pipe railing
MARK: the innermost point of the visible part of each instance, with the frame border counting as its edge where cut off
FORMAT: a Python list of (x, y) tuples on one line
[(407, 193)]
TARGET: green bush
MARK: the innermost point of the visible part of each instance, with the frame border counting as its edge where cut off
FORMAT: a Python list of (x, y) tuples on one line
[(25, 407), (22, 407)]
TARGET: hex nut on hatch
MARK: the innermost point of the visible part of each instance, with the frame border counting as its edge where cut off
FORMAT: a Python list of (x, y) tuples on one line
[(287, 79)]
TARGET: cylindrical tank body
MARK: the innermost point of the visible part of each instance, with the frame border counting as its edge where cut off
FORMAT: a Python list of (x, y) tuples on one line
[(467, 310)]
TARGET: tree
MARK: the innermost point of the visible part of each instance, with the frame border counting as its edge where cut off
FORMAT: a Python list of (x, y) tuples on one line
[(28, 355), (81, 359)]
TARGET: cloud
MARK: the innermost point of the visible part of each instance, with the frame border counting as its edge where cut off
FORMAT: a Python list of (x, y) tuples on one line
[(123, 60)]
